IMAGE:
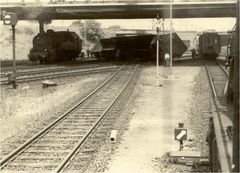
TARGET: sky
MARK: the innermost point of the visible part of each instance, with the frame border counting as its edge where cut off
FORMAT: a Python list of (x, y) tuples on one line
[(200, 24), (193, 24)]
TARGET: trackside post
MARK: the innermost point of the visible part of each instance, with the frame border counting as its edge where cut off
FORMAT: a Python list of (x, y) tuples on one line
[(11, 19), (180, 134)]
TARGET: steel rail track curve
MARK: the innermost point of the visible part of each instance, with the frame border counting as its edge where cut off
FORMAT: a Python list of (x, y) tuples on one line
[(57, 123)]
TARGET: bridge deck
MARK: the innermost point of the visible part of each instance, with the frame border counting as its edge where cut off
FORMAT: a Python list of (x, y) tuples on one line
[(121, 10)]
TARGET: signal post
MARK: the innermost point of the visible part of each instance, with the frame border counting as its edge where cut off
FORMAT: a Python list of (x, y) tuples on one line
[(11, 19)]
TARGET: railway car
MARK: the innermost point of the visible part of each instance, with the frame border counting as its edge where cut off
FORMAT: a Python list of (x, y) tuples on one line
[(141, 47), (108, 48), (51, 46), (133, 47), (178, 46), (97, 50), (209, 45)]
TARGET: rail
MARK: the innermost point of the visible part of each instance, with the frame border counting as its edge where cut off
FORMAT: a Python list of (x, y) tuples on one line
[(220, 123), (4, 162), (55, 73), (61, 166)]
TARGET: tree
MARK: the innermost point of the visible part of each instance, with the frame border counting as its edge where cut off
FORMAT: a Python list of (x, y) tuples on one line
[(93, 30), (90, 30), (115, 27), (78, 27)]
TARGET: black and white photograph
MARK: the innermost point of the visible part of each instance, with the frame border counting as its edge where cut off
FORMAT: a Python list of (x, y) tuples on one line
[(119, 86)]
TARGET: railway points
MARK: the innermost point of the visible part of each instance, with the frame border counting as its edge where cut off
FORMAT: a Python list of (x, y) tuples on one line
[(110, 117)]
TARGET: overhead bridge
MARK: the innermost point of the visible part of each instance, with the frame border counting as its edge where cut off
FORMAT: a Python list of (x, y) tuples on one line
[(121, 10)]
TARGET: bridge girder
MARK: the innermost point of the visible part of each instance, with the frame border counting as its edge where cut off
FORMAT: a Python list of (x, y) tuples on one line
[(122, 10)]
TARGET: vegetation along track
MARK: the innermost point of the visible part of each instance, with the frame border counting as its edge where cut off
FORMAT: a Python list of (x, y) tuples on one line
[(53, 147), (29, 76), (220, 141)]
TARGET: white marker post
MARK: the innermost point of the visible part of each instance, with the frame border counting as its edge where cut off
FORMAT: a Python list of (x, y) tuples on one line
[(113, 136), (180, 134)]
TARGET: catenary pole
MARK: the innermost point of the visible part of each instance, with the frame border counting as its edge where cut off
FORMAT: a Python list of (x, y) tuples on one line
[(170, 33), (14, 58), (157, 50)]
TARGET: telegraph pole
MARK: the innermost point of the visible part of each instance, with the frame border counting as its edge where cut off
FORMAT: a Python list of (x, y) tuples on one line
[(157, 48), (14, 58), (157, 54), (171, 34)]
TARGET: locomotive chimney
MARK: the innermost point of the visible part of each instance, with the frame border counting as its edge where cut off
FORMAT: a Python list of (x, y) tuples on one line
[(41, 26)]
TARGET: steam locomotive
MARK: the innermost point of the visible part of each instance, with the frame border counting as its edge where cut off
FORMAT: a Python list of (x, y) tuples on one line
[(51, 46)]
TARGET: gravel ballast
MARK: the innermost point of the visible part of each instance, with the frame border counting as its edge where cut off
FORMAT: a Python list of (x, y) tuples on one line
[(149, 117), (30, 107), (145, 117)]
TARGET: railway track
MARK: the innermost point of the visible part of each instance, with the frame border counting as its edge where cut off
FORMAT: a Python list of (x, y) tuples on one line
[(35, 71), (53, 147), (28, 76), (30, 66), (220, 142), (50, 68), (217, 77)]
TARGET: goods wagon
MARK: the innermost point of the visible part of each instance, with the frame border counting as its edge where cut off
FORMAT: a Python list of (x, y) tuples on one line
[(178, 46), (108, 48), (133, 47), (97, 50), (140, 47)]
